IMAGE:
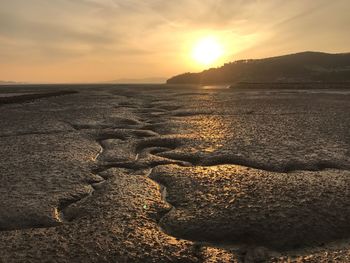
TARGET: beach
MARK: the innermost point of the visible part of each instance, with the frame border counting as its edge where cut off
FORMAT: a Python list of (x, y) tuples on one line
[(174, 173)]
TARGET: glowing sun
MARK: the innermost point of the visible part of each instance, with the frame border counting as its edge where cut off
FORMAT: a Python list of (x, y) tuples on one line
[(207, 51)]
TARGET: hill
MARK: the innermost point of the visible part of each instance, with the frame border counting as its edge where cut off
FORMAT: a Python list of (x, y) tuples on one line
[(299, 67), (2, 82), (154, 80)]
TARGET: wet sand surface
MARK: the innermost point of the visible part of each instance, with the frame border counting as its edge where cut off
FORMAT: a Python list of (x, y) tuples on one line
[(125, 173)]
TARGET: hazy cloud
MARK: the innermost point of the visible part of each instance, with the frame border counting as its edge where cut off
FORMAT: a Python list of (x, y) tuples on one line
[(160, 32)]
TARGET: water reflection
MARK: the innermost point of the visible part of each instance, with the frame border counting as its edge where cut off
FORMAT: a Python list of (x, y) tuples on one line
[(215, 87)]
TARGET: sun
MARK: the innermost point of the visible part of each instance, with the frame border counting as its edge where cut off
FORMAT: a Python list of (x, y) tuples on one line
[(207, 50)]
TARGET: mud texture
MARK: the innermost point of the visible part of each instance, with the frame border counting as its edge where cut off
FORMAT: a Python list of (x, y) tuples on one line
[(123, 173)]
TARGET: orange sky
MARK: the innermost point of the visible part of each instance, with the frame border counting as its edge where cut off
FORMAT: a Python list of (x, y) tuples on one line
[(106, 40)]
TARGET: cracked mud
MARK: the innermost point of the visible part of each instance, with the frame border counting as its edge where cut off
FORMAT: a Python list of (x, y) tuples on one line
[(175, 174)]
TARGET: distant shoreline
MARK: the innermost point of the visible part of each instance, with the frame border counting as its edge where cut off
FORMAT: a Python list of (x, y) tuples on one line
[(238, 85), (294, 85)]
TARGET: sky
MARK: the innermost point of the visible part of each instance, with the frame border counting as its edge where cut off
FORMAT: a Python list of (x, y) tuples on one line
[(66, 41)]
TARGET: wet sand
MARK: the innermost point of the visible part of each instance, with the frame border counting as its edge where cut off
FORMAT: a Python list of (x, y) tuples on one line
[(125, 173)]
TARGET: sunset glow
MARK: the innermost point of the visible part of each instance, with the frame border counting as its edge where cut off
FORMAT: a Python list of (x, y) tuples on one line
[(116, 40), (207, 51)]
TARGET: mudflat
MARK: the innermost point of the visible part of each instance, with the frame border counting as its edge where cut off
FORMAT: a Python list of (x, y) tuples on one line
[(166, 173)]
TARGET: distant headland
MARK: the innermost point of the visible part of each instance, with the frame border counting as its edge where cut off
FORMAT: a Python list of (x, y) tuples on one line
[(304, 67)]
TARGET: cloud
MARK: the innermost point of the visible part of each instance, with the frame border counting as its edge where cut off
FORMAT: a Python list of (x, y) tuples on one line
[(319, 26), (160, 32)]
